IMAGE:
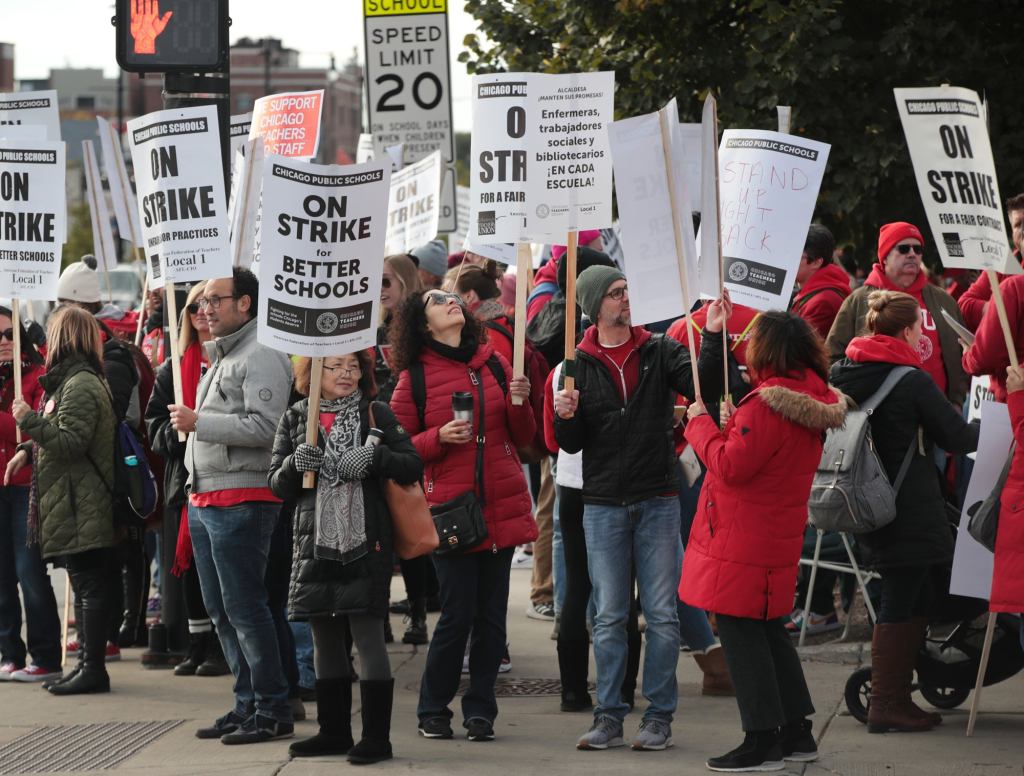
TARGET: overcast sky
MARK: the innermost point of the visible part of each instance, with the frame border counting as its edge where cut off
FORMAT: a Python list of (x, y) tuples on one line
[(78, 33)]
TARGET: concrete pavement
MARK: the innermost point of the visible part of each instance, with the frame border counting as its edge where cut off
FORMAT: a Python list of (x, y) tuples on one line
[(532, 734)]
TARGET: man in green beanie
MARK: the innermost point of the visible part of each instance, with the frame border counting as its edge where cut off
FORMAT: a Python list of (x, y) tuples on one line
[(621, 418)]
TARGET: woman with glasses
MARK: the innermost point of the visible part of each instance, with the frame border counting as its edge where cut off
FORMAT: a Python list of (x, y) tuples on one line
[(20, 563), (341, 572), (435, 337), (205, 657), (477, 285)]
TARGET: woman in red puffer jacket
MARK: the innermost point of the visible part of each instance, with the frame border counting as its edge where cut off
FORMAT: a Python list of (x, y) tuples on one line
[(435, 336), (1008, 572)]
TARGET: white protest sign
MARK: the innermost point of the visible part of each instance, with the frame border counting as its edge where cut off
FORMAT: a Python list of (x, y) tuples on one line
[(121, 194), (32, 217), (322, 264), (408, 85), (709, 236), (645, 215), (980, 393), (690, 135), (23, 132), (956, 175), (364, 150), (503, 253), (289, 123), (180, 181), (413, 207), (102, 237), (768, 186), (31, 108), (458, 238), (238, 134), (972, 563)]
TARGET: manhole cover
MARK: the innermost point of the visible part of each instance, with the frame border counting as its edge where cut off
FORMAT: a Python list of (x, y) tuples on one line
[(80, 747), (515, 687)]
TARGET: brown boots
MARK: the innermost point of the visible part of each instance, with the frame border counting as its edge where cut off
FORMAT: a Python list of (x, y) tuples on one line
[(716, 673), (894, 648)]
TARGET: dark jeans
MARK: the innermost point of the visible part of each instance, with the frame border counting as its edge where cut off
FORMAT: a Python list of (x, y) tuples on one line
[(277, 579), (474, 597), (420, 577), (22, 565), (906, 593), (765, 670)]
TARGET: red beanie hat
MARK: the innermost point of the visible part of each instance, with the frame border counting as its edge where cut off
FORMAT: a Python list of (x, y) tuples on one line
[(586, 237), (890, 234)]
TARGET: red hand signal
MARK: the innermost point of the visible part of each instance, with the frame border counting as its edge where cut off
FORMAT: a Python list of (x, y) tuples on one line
[(147, 24)]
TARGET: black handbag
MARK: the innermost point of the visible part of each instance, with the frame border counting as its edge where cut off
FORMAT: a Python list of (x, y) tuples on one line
[(984, 516), (460, 521)]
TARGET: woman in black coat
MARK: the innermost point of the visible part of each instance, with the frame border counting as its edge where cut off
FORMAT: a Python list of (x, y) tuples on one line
[(914, 550), (341, 569)]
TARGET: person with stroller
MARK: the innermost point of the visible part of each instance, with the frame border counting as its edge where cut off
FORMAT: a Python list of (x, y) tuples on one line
[(911, 551)]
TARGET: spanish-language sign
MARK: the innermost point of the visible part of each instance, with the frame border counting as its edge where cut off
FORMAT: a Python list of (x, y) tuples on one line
[(408, 86), (413, 206), (768, 186), (956, 175), (32, 217), (289, 123), (180, 181), (102, 238), (121, 195), (540, 165), (645, 214), (31, 109), (323, 255)]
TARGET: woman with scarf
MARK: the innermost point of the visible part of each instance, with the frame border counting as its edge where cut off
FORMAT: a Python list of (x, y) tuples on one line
[(477, 284), (435, 335), (205, 657), (341, 573), (914, 551), (72, 454), (21, 563)]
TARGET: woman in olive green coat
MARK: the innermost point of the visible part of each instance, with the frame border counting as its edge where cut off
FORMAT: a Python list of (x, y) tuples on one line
[(72, 449)]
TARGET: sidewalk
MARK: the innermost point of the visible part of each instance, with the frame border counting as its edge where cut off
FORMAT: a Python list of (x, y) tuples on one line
[(532, 735)]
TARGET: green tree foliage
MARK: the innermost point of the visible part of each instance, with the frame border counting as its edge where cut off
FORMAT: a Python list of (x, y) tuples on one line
[(835, 61)]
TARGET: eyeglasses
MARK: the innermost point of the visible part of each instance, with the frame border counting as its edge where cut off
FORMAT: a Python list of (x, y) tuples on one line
[(7, 334), (214, 301), (385, 283), (346, 371), (440, 298), (617, 293), (193, 308), (905, 249)]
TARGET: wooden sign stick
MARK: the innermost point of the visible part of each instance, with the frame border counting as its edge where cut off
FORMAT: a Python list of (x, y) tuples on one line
[(172, 322), (16, 357), (721, 266), (142, 312), (316, 375), (569, 367), (524, 260)]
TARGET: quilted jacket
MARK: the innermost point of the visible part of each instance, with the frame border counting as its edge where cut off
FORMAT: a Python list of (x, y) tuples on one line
[(75, 460)]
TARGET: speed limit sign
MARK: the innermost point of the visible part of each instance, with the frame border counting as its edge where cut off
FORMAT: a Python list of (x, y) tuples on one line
[(408, 83)]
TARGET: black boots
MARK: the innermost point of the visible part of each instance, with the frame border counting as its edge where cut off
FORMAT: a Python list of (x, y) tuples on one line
[(196, 654), (375, 745), (760, 751), (416, 633), (573, 665), (214, 663), (93, 677), (334, 714)]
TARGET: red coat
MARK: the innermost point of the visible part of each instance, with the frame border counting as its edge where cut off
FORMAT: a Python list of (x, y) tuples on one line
[(449, 469), (819, 299), (32, 393), (744, 547), (1008, 572), (972, 301), (988, 356)]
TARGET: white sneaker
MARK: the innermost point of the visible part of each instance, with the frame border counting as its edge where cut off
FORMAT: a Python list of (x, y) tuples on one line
[(522, 560), (541, 611)]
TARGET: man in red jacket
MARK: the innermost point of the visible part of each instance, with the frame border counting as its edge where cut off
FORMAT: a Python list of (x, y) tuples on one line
[(823, 285), (974, 301), (988, 356)]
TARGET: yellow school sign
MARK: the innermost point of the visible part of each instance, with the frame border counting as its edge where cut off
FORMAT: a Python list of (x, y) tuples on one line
[(403, 7)]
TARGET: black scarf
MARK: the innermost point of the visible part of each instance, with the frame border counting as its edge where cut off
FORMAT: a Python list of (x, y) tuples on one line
[(464, 352)]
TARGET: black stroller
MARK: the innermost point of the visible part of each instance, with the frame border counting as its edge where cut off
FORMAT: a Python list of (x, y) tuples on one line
[(947, 668)]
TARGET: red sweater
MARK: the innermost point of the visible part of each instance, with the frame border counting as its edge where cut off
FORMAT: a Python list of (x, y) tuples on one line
[(32, 393), (738, 327)]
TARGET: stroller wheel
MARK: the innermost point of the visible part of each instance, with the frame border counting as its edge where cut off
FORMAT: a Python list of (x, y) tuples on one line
[(944, 697), (858, 694)]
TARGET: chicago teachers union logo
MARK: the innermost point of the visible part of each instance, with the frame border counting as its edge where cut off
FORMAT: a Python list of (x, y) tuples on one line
[(326, 323), (738, 272)]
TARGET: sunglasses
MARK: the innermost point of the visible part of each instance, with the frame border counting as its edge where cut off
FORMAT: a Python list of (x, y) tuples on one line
[(385, 283), (441, 298), (7, 334), (905, 249), (192, 308)]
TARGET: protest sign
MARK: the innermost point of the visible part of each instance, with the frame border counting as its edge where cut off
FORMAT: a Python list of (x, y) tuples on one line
[(646, 218), (32, 214), (768, 188), (323, 255), (121, 194), (981, 392), (709, 237), (182, 206), (238, 135), (364, 150), (31, 109), (457, 238), (102, 237), (289, 123), (413, 207), (503, 253), (408, 85), (690, 135), (949, 147), (245, 214)]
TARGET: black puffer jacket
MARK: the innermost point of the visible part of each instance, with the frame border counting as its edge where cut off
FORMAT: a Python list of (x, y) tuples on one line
[(920, 535), (324, 588), (628, 451), (164, 439), (122, 376)]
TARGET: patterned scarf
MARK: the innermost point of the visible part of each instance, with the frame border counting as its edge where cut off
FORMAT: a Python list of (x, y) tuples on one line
[(340, 514)]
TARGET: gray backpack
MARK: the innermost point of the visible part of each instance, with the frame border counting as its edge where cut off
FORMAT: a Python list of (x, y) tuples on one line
[(851, 491)]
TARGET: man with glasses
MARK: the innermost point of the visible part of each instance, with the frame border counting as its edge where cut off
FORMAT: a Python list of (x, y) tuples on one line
[(232, 512), (899, 268), (621, 418)]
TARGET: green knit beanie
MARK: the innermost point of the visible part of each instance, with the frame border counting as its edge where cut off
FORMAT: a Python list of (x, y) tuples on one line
[(592, 285)]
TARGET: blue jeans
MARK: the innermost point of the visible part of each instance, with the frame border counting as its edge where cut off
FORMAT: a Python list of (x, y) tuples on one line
[(231, 547), (303, 635), (22, 565), (647, 535), (557, 553)]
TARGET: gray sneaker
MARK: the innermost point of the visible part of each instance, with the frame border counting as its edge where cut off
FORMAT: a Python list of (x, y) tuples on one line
[(605, 733), (653, 736)]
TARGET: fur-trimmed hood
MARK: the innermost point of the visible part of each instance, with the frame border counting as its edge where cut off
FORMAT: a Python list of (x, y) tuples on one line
[(810, 401)]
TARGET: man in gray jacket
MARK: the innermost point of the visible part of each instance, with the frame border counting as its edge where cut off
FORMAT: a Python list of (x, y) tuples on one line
[(232, 513)]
